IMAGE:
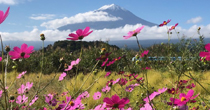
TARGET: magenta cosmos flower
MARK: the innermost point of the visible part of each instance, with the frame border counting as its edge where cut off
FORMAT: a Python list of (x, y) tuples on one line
[(97, 96), (184, 98), (106, 89), (165, 23), (21, 74), (72, 64), (62, 76), (21, 99), (173, 27), (22, 52), (50, 100), (206, 54), (133, 33), (80, 34), (3, 15), (115, 102), (144, 53), (34, 100)]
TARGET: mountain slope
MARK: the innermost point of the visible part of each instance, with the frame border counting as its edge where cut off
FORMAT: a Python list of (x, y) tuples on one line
[(126, 17)]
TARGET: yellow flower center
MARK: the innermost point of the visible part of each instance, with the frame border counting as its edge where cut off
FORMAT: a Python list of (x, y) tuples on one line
[(173, 27), (164, 22), (129, 89), (103, 56), (172, 92), (71, 103), (183, 99)]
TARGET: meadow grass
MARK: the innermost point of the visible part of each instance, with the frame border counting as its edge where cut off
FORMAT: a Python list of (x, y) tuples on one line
[(97, 81)]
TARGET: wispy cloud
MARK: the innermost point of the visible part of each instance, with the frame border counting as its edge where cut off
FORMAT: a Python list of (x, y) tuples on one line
[(13, 2), (9, 2), (80, 18), (42, 16), (112, 34), (195, 20)]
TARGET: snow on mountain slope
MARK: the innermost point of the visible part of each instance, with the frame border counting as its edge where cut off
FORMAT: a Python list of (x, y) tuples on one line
[(111, 11)]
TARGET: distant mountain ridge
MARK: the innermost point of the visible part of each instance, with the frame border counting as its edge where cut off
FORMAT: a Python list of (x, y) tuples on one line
[(126, 17), (131, 44)]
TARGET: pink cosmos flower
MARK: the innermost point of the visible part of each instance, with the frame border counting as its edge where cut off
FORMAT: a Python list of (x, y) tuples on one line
[(50, 100), (72, 64), (97, 96), (173, 91), (133, 33), (107, 74), (147, 106), (24, 89), (129, 88), (104, 56), (184, 98), (144, 53), (190, 86), (3, 15), (21, 74), (84, 95), (206, 54), (72, 105), (80, 34), (80, 106), (21, 99), (154, 94), (115, 102), (147, 68), (100, 107), (104, 63), (1, 93), (106, 89), (112, 62), (165, 23), (62, 76), (34, 100), (22, 52), (0, 58), (122, 81), (173, 27), (112, 82)]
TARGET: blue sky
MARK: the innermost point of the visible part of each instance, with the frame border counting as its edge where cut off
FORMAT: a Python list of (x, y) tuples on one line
[(26, 17)]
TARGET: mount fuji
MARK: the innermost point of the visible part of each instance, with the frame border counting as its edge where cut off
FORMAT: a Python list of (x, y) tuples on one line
[(115, 15)]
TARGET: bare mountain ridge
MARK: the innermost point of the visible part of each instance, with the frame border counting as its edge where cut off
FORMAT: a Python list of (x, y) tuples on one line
[(126, 17)]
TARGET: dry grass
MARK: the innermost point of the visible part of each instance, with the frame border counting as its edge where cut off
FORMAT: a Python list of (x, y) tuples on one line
[(156, 80)]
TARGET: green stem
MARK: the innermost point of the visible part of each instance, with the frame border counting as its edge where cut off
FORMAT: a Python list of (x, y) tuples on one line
[(42, 64), (75, 77), (140, 48), (5, 92)]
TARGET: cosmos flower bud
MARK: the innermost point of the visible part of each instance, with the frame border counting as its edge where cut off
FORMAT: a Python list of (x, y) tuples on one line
[(7, 48), (12, 97), (14, 67), (42, 37), (103, 50), (199, 28)]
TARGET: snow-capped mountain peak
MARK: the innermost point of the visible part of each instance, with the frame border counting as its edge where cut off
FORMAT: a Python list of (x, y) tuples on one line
[(111, 7)]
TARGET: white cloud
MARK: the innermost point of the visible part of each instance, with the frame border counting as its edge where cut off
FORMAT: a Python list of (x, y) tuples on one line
[(12, 2), (9, 2), (42, 16), (112, 34), (195, 20), (80, 18)]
